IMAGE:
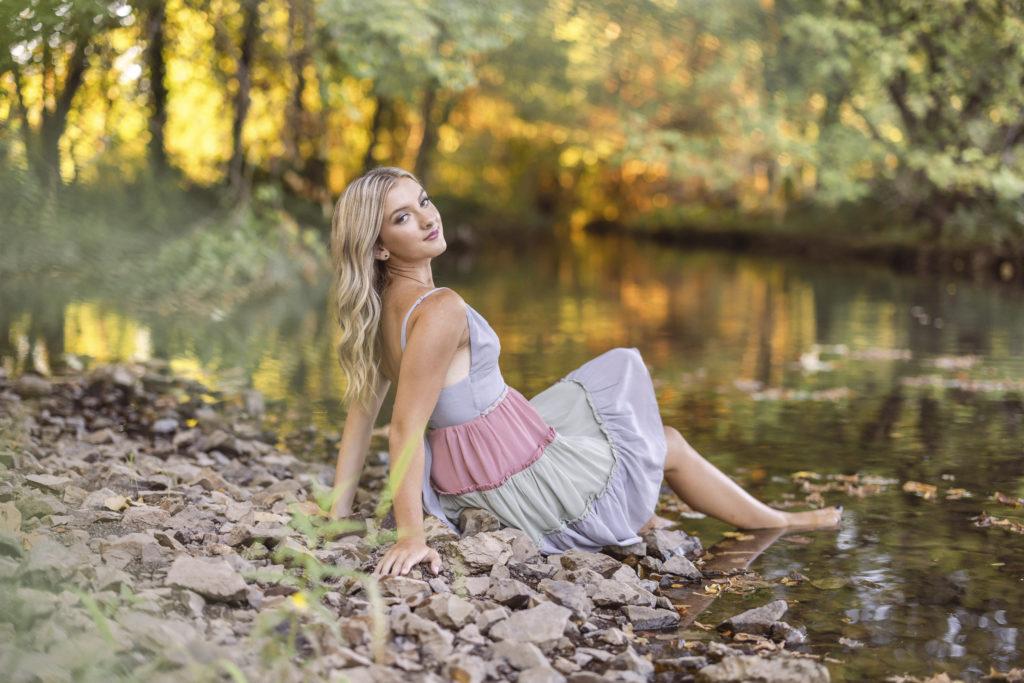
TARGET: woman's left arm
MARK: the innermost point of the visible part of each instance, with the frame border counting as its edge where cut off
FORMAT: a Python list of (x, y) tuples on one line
[(433, 338)]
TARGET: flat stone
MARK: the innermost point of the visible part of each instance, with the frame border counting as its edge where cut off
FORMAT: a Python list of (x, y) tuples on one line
[(49, 482), (664, 543), (10, 544), (540, 624), (145, 516), (621, 552), (434, 641), (629, 660), (164, 426), (489, 617), (540, 674), (213, 579), (756, 621), (99, 437), (437, 532), (568, 595), (10, 517), (484, 550), (473, 521), (575, 560), (743, 668), (518, 655), (403, 587), (610, 593), (465, 668), (38, 504), (680, 566), (650, 618), (32, 386), (511, 593), (449, 610)]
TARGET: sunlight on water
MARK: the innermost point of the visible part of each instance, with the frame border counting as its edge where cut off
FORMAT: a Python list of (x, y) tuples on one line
[(850, 375)]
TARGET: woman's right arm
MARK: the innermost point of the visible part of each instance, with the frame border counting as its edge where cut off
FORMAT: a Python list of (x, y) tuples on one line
[(355, 443)]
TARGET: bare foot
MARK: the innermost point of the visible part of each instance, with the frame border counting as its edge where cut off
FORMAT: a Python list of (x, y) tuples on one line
[(825, 517)]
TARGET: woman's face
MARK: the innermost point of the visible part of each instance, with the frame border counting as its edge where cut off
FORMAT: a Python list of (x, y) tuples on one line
[(411, 230)]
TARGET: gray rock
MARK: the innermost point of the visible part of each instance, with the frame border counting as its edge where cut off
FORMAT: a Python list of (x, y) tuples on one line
[(373, 674), (756, 621), (511, 593), (465, 668), (532, 572), (434, 641), (49, 562), (790, 635), (449, 610), (32, 386), (477, 585), (610, 593), (540, 624), (683, 663), (214, 579), (569, 595), (651, 564), (145, 516), (48, 482), (472, 521), (403, 587), (680, 566), (629, 660), (471, 634), (518, 655), (164, 426), (490, 617), (650, 618), (575, 560), (614, 636), (621, 552), (38, 504), (10, 544), (541, 674), (484, 550), (663, 544), (437, 532), (97, 499), (753, 669)]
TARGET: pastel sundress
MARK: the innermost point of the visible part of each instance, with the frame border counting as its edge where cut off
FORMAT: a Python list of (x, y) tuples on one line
[(579, 465)]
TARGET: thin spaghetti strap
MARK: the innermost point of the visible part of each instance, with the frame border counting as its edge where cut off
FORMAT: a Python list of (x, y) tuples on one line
[(411, 309)]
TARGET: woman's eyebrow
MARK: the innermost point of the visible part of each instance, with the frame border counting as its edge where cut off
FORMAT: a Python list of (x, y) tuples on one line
[(406, 208)]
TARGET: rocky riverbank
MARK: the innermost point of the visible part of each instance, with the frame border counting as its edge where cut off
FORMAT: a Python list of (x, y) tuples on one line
[(151, 528)]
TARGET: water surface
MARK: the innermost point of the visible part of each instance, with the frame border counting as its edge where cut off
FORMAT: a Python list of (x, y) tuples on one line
[(770, 368)]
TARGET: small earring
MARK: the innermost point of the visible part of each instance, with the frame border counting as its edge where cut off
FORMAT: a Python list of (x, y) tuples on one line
[(385, 256)]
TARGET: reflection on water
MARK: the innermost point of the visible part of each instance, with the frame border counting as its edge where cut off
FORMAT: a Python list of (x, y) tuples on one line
[(768, 367)]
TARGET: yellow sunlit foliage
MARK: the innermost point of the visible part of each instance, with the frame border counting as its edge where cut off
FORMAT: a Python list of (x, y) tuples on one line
[(104, 335)]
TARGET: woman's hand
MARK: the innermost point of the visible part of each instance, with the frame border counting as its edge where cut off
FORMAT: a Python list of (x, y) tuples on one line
[(406, 554)]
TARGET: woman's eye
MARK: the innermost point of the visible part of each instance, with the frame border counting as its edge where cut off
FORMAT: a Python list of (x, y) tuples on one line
[(401, 219), (424, 201)]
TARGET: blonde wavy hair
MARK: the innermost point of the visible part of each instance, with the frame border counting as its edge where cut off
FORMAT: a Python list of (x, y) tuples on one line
[(359, 278)]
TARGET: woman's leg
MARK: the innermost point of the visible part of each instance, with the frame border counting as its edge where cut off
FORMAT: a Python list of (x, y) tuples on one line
[(707, 489)]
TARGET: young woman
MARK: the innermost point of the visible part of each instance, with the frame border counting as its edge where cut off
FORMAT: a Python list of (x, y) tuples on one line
[(579, 465)]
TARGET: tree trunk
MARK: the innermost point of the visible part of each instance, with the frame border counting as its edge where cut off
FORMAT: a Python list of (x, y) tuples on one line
[(54, 122), (423, 156), (380, 117), (243, 74), (155, 20)]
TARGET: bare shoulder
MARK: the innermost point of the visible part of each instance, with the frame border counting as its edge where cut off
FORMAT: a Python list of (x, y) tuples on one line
[(442, 309)]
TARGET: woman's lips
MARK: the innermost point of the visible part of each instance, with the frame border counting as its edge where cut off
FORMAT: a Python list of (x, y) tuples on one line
[(433, 235)]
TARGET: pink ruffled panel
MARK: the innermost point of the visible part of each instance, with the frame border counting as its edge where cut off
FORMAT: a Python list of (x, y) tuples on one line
[(483, 453)]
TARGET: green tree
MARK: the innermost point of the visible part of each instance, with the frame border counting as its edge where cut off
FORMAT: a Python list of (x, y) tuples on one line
[(46, 47)]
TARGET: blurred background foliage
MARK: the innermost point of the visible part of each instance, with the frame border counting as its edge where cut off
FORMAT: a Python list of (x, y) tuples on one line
[(900, 120)]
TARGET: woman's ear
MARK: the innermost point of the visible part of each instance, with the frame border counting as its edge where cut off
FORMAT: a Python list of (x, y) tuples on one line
[(380, 253)]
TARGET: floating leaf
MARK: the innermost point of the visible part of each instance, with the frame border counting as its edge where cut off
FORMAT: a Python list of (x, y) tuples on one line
[(1009, 501), (957, 494), (984, 521), (926, 491)]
